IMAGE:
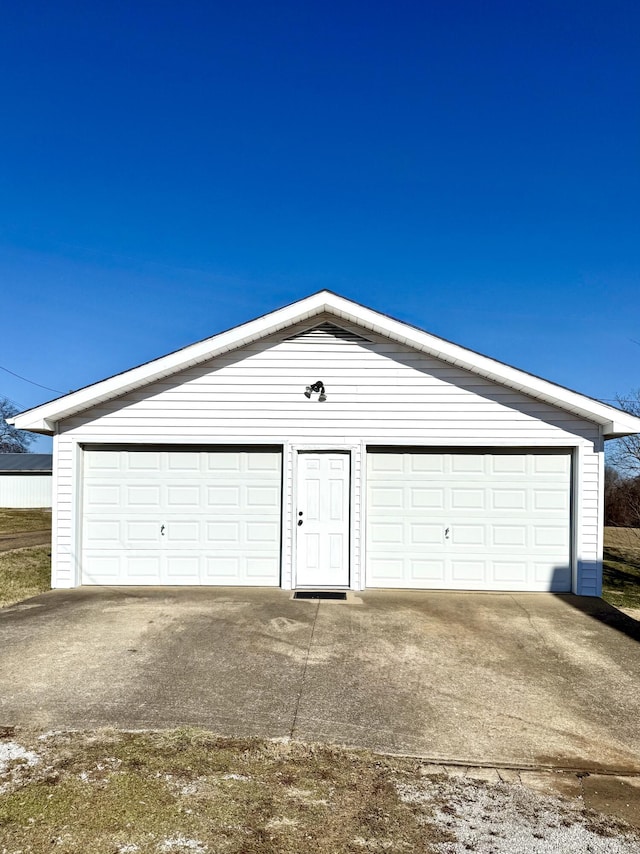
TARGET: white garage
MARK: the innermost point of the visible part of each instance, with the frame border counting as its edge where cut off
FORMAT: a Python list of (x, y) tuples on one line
[(166, 516), (328, 446), (469, 520)]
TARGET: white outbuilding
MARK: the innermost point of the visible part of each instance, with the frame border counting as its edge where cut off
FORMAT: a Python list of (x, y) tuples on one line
[(328, 446), (25, 480)]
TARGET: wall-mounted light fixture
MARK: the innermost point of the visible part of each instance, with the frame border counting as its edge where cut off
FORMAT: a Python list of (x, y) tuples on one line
[(316, 388)]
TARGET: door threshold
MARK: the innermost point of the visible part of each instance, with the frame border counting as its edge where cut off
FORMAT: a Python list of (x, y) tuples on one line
[(333, 595)]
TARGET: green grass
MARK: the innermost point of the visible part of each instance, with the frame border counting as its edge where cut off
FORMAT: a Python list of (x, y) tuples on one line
[(24, 573), (621, 576), (16, 521), (111, 791)]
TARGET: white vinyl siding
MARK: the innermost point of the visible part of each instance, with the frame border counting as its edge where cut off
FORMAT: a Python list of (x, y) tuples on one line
[(24, 489), (166, 516), (378, 393), (469, 521)]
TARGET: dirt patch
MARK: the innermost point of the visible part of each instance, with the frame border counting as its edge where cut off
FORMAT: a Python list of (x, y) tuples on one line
[(8, 542)]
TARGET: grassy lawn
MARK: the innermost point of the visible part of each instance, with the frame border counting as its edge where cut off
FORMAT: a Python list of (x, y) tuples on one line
[(621, 581), (24, 573), (18, 521), (190, 791), (27, 571)]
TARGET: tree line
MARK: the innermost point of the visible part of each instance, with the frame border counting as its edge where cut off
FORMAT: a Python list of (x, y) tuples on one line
[(622, 474)]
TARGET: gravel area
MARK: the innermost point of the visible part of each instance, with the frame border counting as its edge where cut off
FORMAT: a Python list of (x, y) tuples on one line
[(505, 818)]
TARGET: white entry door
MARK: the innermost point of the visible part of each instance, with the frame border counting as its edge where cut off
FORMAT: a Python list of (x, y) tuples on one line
[(322, 519)]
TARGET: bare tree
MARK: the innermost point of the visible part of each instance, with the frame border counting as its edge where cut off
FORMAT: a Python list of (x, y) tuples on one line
[(12, 441), (624, 454)]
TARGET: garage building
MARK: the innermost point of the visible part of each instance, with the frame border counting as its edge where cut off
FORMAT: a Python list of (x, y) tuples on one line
[(328, 446)]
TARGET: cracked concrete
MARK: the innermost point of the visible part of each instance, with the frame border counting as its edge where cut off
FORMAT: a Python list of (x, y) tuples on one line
[(496, 680)]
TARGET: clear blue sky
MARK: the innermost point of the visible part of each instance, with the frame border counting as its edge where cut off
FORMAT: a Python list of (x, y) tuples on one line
[(170, 169)]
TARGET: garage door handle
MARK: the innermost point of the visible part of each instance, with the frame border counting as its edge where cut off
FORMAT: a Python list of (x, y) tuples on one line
[(162, 530), (446, 533), (299, 522)]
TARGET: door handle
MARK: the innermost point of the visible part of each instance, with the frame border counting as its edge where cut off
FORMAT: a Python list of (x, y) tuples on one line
[(299, 522), (162, 530), (446, 533)]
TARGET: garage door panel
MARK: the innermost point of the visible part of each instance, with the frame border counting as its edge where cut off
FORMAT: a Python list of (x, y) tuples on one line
[(102, 568), (508, 499), (102, 461), (552, 464), (422, 534), (468, 464), (427, 570), (496, 520), (142, 495), (183, 496), (386, 498), (261, 496), (258, 534), (507, 464), (181, 517), (261, 570), (188, 534), (508, 535), (264, 462), (139, 460), (391, 534), (467, 499), (140, 569), (422, 497), (550, 499), (387, 571), (466, 571), (509, 572), (140, 533), (223, 497), (104, 533), (102, 495), (181, 568), (468, 535)]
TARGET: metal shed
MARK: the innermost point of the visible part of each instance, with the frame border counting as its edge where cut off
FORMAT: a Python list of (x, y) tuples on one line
[(25, 480)]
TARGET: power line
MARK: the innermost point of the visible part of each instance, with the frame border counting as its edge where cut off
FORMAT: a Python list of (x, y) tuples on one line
[(48, 388)]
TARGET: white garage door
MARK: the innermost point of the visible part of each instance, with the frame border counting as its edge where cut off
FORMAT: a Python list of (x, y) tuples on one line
[(469, 521), (163, 516)]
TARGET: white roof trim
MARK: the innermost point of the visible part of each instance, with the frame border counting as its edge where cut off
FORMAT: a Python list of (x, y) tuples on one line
[(43, 418)]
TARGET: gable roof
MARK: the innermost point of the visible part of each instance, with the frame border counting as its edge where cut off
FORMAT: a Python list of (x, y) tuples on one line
[(26, 462), (43, 418)]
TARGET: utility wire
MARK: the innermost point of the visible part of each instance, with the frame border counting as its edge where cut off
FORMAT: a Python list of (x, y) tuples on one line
[(48, 388)]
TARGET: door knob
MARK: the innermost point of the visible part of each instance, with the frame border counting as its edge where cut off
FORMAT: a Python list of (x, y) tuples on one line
[(162, 530)]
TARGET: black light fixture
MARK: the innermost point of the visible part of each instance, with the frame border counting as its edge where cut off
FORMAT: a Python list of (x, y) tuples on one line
[(318, 388)]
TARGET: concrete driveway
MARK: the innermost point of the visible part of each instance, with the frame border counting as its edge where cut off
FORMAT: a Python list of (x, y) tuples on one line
[(501, 679)]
